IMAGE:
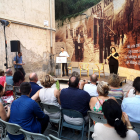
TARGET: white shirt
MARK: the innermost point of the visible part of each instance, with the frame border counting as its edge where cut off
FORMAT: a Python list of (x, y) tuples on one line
[(64, 53), (91, 89), (131, 93), (101, 132)]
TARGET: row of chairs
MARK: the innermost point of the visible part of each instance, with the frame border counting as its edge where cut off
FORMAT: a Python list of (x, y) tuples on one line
[(93, 116), (15, 129), (84, 67)]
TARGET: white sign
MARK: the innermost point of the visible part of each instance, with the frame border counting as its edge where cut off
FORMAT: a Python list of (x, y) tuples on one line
[(61, 59), (46, 23)]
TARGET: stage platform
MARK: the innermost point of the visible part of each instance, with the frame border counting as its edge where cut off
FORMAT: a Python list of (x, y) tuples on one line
[(84, 76)]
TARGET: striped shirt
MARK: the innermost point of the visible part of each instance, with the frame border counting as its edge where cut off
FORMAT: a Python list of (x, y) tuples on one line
[(117, 93)]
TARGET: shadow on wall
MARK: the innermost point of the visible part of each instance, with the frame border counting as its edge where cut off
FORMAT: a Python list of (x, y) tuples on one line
[(34, 62)]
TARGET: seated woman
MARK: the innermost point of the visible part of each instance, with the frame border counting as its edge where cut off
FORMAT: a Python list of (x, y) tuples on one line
[(97, 102), (114, 82), (2, 78), (18, 78), (115, 129), (7, 94), (48, 95), (4, 116)]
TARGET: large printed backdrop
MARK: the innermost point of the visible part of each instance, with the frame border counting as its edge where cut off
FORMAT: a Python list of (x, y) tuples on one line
[(110, 23)]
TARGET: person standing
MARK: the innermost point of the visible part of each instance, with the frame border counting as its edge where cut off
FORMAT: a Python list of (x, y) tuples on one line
[(113, 61), (64, 54), (18, 63)]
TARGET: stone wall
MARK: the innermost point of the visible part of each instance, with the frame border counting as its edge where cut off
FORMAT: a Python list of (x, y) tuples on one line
[(29, 30)]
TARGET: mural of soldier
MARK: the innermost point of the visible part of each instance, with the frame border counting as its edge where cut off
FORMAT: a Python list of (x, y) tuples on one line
[(100, 40), (81, 46), (108, 44), (66, 32), (75, 41), (118, 37), (105, 48), (122, 37)]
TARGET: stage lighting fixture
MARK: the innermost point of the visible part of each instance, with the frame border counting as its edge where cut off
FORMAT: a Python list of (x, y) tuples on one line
[(5, 22)]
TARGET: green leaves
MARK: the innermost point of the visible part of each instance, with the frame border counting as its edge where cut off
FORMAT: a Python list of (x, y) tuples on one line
[(72, 8), (57, 85)]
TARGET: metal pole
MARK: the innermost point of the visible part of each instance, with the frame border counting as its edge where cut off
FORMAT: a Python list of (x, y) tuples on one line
[(16, 61), (5, 48)]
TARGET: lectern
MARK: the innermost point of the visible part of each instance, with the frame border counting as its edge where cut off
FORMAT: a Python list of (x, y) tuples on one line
[(61, 59)]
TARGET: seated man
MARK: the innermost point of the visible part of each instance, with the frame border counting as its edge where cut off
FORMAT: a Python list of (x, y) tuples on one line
[(75, 99), (131, 106), (92, 88), (9, 77), (33, 81), (26, 113)]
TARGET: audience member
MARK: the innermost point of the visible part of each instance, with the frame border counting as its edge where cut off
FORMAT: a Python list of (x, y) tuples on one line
[(81, 82), (3, 81), (7, 94), (48, 95), (9, 77), (131, 92), (115, 129), (92, 88), (2, 78), (76, 74), (33, 81), (18, 78), (2, 73), (97, 102), (27, 113), (75, 99), (2, 90), (114, 82), (131, 106), (3, 114)]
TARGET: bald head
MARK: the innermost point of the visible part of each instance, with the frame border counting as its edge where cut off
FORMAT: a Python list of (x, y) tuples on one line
[(9, 72), (93, 78), (73, 82), (33, 77)]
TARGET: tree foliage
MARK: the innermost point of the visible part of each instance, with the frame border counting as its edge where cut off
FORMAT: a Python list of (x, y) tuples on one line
[(72, 8)]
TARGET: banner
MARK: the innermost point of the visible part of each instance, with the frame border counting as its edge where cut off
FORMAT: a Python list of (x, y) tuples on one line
[(110, 23)]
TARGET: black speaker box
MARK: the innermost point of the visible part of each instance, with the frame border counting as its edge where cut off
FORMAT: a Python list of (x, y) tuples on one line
[(15, 45)]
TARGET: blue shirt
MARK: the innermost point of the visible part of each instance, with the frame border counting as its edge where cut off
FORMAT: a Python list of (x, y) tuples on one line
[(24, 111), (131, 106), (19, 60), (35, 87), (75, 99), (9, 80)]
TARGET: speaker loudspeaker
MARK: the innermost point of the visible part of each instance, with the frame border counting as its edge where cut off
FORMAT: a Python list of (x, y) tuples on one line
[(15, 45)]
